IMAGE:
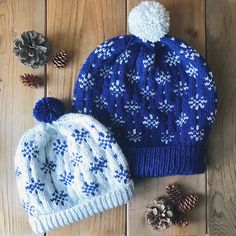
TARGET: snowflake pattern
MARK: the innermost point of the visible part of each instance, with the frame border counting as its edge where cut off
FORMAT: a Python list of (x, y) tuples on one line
[(18, 172), (132, 107), (163, 78), (151, 122), (172, 59), (80, 135), (90, 189), (28, 207), (192, 71), (133, 76), (76, 159), (86, 81), (210, 83), (147, 92), (105, 140), (149, 61), (104, 50), (196, 133), (35, 186), (182, 119), (117, 120), (122, 174), (181, 88), (67, 178), (188, 52), (165, 106), (98, 165), (59, 197), (166, 137), (117, 89), (101, 102), (211, 118), (124, 57), (134, 136), (197, 102), (60, 147), (106, 72), (48, 167), (30, 150)]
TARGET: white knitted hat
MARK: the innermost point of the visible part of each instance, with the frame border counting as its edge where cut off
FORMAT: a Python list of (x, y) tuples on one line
[(69, 168)]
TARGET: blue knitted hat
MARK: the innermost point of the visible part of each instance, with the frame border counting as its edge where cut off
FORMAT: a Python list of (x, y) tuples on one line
[(154, 91), (68, 168)]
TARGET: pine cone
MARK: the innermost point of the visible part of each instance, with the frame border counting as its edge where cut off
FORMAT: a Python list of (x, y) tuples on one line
[(181, 222), (175, 193), (30, 80), (32, 49), (60, 59), (188, 203), (159, 214)]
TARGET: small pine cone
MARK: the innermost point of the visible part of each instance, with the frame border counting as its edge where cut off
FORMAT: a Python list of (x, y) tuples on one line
[(188, 203), (175, 193), (60, 59), (181, 222), (30, 80)]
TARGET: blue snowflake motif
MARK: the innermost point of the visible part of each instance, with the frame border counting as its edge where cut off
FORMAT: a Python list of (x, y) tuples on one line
[(18, 172), (48, 167), (122, 174), (105, 140), (67, 179), (90, 189), (59, 197), (99, 164), (30, 150), (29, 208), (35, 186), (76, 159), (60, 147), (80, 135)]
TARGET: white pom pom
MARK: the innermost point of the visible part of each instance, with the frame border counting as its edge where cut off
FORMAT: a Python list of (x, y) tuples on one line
[(149, 21)]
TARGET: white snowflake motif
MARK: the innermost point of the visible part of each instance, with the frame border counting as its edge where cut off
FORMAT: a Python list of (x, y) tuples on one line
[(86, 81), (106, 72), (104, 50), (151, 122), (163, 77), (182, 119), (134, 136), (117, 120), (149, 61), (196, 133), (192, 71), (101, 102), (188, 52), (172, 59), (166, 137), (147, 92), (133, 77), (181, 88), (123, 58), (117, 89), (210, 83), (132, 107), (211, 118), (165, 106), (197, 102)]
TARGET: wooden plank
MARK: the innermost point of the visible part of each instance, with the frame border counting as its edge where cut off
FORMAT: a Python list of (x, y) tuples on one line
[(187, 23), (16, 106), (221, 54), (79, 26)]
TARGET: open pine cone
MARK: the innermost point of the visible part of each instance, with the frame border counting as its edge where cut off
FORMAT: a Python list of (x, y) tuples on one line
[(30, 80), (175, 193), (32, 49), (60, 59), (159, 214)]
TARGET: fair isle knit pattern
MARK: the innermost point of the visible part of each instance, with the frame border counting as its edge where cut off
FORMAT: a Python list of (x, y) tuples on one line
[(159, 100), (69, 170)]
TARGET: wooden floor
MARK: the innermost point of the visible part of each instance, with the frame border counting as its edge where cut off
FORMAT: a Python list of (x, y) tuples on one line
[(80, 25)]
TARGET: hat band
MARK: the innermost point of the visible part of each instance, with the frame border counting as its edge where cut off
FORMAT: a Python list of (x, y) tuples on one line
[(165, 161)]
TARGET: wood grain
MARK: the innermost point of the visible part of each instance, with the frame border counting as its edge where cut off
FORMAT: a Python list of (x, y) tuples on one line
[(79, 26), (221, 55), (16, 106), (187, 23)]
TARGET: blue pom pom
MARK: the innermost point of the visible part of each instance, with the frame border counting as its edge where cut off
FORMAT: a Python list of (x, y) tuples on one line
[(48, 109)]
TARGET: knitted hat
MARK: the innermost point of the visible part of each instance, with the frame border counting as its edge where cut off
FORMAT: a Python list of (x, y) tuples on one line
[(69, 168), (156, 93)]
